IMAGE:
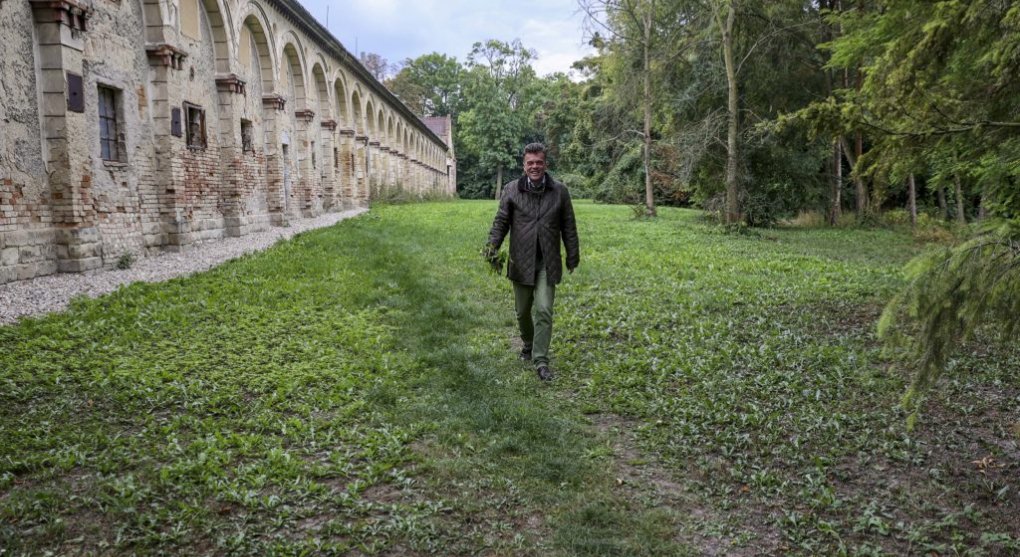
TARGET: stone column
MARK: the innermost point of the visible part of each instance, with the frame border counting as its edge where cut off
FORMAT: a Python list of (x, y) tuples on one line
[(173, 228), (232, 191), (415, 175), (394, 159), (347, 171), (307, 182), (361, 162), (405, 172), (374, 160), (60, 26), (386, 173), (330, 163), (272, 108)]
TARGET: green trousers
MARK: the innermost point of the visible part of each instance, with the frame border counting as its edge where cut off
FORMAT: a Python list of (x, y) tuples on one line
[(534, 307)]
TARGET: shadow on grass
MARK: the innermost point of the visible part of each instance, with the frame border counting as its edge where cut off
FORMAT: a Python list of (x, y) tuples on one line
[(506, 450)]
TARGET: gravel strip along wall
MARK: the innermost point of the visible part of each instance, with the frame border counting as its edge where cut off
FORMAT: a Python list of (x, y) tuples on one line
[(53, 292)]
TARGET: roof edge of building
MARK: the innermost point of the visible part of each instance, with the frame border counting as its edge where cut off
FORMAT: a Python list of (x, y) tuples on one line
[(317, 32)]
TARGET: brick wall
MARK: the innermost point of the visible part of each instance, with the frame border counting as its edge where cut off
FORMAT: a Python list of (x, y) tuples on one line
[(64, 208)]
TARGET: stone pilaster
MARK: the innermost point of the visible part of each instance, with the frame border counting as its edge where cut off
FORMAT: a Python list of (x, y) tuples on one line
[(229, 88), (60, 26), (174, 227), (398, 168), (272, 110), (330, 165), (361, 162), (415, 167), (386, 172), (374, 166), (347, 171), (308, 188)]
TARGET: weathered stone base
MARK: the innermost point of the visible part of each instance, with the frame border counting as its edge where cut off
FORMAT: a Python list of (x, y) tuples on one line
[(26, 254)]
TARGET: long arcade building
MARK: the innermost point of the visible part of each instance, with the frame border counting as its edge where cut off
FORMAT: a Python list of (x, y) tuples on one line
[(129, 127)]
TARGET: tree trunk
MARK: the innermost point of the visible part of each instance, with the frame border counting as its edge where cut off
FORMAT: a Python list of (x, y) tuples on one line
[(860, 189), (499, 181), (961, 217), (940, 193), (836, 196), (647, 102), (912, 199), (836, 193), (732, 203)]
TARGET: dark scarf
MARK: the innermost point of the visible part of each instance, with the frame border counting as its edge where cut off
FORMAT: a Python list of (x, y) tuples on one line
[(528, 187)]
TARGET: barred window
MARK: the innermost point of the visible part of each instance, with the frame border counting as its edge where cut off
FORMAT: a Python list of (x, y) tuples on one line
[(111, 140)]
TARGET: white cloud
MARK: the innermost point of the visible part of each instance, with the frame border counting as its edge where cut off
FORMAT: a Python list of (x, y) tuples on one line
[(400, 29)]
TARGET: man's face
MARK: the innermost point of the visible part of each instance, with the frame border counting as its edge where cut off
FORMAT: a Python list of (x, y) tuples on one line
[(534, 165)]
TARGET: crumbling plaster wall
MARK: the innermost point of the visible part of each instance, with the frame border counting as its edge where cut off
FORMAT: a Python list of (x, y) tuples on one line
[(26, 234), (123, 193), (71, 210)]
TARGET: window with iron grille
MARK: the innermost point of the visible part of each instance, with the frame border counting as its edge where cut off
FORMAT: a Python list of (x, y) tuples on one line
[(111, 140)]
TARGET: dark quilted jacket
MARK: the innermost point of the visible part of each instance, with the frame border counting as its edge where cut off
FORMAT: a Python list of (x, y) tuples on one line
[(532, 219)]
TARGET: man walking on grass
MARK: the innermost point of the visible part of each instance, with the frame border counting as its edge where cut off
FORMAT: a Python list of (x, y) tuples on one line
[(536, 210)]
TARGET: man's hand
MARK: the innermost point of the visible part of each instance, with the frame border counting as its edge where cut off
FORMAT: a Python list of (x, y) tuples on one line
[(494, 258)]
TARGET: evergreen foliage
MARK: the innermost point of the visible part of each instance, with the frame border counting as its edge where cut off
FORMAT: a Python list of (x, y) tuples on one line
[(952, 294)]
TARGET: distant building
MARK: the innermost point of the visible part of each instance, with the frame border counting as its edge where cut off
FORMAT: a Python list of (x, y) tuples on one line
[(138, 126), (442, 126)]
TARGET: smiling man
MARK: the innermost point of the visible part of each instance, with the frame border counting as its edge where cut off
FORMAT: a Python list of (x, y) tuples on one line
[(536, 211)]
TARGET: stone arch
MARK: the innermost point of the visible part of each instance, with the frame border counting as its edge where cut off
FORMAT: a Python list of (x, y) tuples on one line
[(341, 100), (357, 120), (322, 92), (221, 28), (257, 24), (292, 63), (370, 119)]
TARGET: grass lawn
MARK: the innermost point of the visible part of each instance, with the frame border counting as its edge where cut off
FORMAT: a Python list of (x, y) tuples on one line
[(354, 391)]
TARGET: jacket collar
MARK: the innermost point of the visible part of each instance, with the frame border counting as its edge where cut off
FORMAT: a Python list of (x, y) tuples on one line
[(522, 182)]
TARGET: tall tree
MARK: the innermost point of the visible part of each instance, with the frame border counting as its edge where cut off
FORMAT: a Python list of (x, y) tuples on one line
[(376, 65), (497, 86), (940, 80), (430, 84), (725, 12), (642, 28)]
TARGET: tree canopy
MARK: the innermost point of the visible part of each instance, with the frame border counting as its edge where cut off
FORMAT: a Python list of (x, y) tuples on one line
[(758, 111)]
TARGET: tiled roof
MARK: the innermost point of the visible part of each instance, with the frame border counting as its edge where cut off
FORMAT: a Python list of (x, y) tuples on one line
[(440, 125)]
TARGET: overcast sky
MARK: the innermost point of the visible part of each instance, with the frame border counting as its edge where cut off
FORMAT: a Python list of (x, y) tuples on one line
[(401, 29)]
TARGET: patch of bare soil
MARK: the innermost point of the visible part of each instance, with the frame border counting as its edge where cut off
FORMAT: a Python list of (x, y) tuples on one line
[(644, 480), (966, 466)]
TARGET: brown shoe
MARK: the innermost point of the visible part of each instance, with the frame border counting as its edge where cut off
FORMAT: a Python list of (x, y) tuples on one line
[(544, 373)]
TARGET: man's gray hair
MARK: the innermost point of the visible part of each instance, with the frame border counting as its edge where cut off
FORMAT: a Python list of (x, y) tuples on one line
[(534, 148)]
